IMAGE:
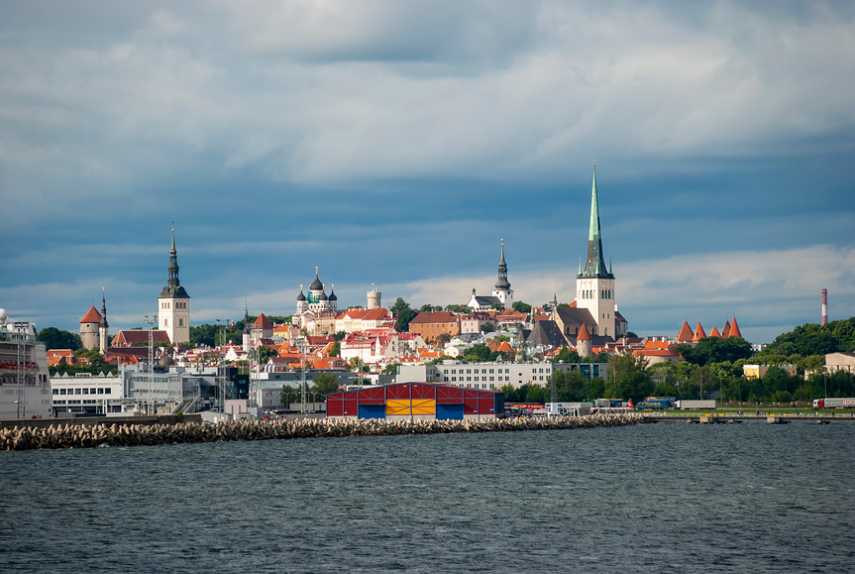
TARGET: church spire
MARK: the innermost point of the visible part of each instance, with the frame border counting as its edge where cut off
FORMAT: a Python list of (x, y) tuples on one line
[(103, 310), (503, 283), (595, 265), (173, 264)]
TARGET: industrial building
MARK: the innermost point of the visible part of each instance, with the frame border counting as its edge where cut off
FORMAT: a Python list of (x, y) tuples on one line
[(416, 401)]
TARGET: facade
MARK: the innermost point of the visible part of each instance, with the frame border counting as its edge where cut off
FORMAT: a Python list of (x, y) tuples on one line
[(840, 362), (416, 401), (595, 284), (173, 304), (85, 393), (494, 375), (317, 301), (431, 324), (24, 380)]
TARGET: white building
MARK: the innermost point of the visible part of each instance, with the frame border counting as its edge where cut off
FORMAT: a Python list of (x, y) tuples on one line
[(494, 375), (24, 380)]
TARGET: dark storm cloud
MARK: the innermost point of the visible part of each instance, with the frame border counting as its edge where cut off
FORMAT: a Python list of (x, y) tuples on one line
[(398, 142)]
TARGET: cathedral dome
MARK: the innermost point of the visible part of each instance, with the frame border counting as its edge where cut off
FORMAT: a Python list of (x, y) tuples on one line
[(322, 296), (301, 297), (316, 284), (332, 296)]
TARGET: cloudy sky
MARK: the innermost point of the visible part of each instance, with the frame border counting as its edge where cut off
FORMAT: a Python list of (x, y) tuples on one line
[(398, 143)]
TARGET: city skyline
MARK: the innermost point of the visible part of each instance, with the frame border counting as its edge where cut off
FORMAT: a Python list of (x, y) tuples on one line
[(399, 144)]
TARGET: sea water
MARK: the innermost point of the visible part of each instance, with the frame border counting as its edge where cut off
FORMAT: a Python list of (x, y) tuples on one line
[(668, 497)]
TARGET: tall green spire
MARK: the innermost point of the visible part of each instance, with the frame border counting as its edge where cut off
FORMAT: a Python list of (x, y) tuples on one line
[(595, 266), (594, 227)]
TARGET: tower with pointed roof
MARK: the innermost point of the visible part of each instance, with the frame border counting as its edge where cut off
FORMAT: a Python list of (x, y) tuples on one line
[(595, 283), (503, 291), (103, 342), (90, 325), (173, 304)]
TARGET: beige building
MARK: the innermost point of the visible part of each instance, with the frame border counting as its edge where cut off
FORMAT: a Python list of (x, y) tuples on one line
[(840, 362)]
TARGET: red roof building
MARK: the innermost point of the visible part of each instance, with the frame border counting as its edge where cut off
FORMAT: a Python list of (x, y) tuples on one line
[(685, 335)]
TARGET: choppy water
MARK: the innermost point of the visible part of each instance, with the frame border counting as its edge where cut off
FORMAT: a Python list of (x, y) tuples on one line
[(654, 498)]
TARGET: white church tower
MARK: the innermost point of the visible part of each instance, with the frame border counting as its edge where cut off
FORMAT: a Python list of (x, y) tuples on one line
[(173, 309), (595, 284)]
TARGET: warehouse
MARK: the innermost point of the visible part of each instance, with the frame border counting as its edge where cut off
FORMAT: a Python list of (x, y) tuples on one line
[(416, 401)]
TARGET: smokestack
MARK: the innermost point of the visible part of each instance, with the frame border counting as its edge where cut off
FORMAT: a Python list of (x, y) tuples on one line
[(824, 306)]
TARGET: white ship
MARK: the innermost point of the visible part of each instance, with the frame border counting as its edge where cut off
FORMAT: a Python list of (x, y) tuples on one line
[(25, 391)]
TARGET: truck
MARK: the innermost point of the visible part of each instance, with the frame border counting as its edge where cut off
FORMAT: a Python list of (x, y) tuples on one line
[(656, 403), (705, 404), (834, 403)]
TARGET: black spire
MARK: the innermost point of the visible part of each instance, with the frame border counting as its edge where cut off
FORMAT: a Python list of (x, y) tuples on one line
[(103, 311), (173, 286), (503, 283)]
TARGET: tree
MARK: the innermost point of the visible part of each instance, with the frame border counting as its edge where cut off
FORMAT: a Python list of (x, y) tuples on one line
[(630, 377), (568, 355), (535, 394), (715, 350), (443, 338), (635, 386), (53, 338), (631, 335), (486, 327), (265, 353), (325, 384), (335, 350), (497, 306), (403, 313), (458, 309), (391, 368), (521, 307)]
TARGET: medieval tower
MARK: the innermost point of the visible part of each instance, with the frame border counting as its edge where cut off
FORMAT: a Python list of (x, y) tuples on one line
[(595, 284), (173, 309)]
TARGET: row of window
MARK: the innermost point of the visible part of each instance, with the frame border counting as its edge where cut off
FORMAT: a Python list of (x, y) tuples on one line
[(178, 305), (454, 379), (485, 371), (86, 391), (589, 294)]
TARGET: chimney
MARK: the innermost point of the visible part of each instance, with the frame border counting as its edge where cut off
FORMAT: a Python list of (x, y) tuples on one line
[(824, 306)]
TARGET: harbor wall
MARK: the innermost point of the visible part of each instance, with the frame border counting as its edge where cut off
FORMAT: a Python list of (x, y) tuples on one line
[(58, 435)]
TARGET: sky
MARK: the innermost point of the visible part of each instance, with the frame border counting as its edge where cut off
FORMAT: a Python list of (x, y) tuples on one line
[(399, 143)]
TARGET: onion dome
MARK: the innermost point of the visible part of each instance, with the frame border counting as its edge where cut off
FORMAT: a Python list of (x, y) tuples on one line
[(316, 284), (166, 361), (332, 296), (301, 297), (323, 296)]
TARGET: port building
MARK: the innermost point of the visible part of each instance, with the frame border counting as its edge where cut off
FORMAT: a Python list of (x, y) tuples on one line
[(416, 401)]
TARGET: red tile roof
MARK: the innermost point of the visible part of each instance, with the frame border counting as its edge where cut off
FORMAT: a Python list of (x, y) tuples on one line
[(725, 332), (734, 329), (699, 333), (714, 332), (685, 334), (434, 317), (262, 322), (91, 316), (583, 334)]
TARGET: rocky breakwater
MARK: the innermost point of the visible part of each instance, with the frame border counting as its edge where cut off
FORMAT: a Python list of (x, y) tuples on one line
[(76, 436)]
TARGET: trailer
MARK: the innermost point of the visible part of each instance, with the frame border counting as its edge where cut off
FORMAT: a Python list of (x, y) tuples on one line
[(846, 403), (688, 405)]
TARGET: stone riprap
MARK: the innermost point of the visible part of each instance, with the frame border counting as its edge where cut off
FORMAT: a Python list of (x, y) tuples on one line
[(76, 436)]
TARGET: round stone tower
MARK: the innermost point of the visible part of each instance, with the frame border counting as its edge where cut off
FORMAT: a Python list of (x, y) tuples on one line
[(90, 326)]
